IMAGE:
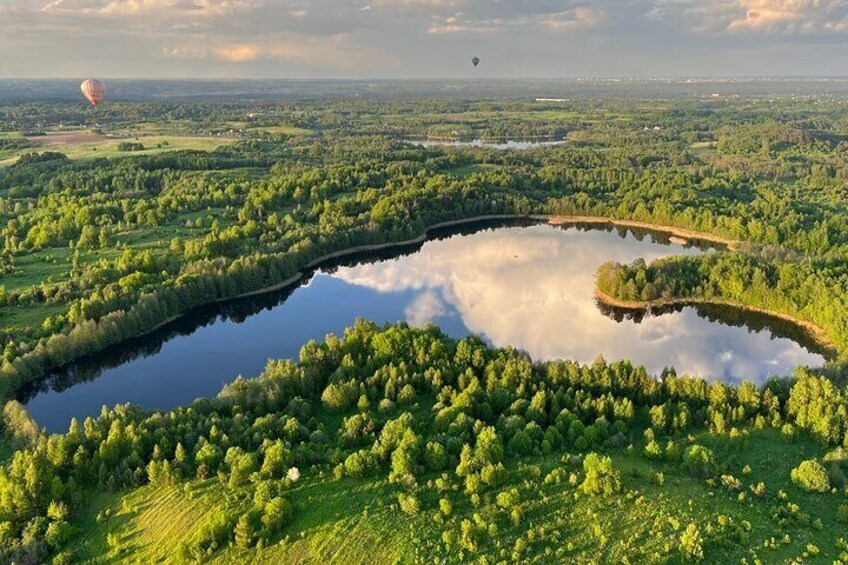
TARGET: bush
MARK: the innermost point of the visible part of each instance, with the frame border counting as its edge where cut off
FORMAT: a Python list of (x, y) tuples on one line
[(653, 450), (409, 504), (360, 464), (508, 498), (276, 514), (214, 532), (602, 479), (58, 533), (445, 506), (691, 543), (811, 477), (339, 397), (700, 461), (130, 146), (842, 513)]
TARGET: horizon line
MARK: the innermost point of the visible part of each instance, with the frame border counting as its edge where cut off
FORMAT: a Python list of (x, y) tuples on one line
[(609, 78)]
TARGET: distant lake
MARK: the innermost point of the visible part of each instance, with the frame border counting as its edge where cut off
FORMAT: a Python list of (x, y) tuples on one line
[(483, 143), (526, 285)]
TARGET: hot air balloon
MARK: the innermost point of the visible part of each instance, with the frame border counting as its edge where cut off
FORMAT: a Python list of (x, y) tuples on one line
[(94, 90), (476, 61)]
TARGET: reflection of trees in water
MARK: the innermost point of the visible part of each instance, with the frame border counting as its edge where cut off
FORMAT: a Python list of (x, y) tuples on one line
[(236, 310), (728, 316), (639, 234), (91, 367)]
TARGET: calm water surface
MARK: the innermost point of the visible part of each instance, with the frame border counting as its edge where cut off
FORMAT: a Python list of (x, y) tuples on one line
[(526, 286)]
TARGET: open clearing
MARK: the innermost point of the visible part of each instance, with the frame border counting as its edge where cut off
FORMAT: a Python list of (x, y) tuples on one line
[(82, 144)]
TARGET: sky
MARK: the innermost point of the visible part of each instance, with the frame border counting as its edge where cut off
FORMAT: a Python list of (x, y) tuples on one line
[(422, 38)]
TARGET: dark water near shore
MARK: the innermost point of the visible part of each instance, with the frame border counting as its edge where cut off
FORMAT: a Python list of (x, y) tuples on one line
[(529, 286)]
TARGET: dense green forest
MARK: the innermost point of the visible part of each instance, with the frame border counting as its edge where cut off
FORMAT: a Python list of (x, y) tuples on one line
[(448, 451), (495, 458)]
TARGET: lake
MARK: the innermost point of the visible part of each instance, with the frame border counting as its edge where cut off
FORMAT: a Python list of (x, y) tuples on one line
[(523, 284)]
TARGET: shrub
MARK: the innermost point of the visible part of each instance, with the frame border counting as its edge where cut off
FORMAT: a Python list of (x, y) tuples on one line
[(700, 461), (508, 498), (130, 146), (445, 506), (360, 464), (243, 533), (58, 533), (811, 477), (602, 479), (691, 543), (276, 514), (731, 483), (409, 504), (842, 513), (653, 450)]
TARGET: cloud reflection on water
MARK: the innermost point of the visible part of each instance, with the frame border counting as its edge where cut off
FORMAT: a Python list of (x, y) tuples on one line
[(532, 288)]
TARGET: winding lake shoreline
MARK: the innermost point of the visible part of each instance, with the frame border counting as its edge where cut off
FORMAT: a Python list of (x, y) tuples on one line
[(674, 231), (817, 334), (461, 278), (551, 219)]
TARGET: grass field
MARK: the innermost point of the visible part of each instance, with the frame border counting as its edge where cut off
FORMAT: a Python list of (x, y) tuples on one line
[(81, 144), (358, 521), (281, 130)]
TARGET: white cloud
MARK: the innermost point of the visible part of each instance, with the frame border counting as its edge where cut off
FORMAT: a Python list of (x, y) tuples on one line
[(532, 289), (184, 53), (577, 18), (331, 51), (237, 52), (425, 308), (163, 8), (791, 16), (384, 38)]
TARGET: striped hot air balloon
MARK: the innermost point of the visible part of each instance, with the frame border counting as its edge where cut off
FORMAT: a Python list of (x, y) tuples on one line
[(94, 90)]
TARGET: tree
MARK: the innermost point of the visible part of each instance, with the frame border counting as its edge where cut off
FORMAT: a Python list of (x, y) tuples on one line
[(446, 506), (691, 543), (602, 479), (409, 504), (244, 533), (360, 464), (811, 476), (653, 450), (276, 514), (277, 461), (700, 461), (58, 533), (435, 457)]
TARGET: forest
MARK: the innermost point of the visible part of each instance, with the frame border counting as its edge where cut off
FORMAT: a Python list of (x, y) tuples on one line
[(472, 453), (451, 450)]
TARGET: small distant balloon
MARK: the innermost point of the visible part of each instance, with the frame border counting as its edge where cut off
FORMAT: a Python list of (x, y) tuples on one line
[(476, 61), (94, 90)]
